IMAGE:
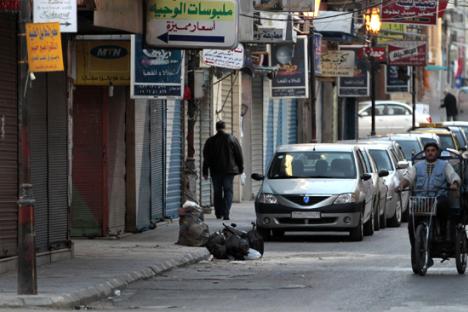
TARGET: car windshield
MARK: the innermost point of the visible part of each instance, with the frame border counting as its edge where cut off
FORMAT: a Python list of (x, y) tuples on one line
[(446, 141), (424, 141), (409, 147), (382, 159), (313, 164)]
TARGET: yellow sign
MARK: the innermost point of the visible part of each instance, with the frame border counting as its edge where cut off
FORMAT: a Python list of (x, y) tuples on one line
[(391, 32), (102, 62), (44, 47), (192, 10)]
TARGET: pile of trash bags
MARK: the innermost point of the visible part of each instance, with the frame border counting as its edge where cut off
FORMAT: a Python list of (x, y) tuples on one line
[(229, 243), (234, 244), (192, 230)]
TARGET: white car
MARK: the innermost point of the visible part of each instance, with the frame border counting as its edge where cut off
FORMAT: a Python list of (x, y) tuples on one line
[(390, 117)]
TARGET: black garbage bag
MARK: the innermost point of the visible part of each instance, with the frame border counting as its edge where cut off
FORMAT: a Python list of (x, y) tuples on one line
[(237, 247), (216, 245)]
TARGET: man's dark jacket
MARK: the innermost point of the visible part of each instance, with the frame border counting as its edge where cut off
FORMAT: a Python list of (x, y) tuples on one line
[(222, 154), (450, 104)]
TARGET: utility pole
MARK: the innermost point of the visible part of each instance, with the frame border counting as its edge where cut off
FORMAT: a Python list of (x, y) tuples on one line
[(27, 278), (413, 93)]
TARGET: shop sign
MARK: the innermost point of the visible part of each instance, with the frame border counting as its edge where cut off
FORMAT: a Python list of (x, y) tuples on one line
[(318, 53), (391, 32), (291, 80), (407, 53), (358, 85), (422, 12), (102, 62), (394, 82), (44, 44), (192, 24), (63, 12), (378, 54), (338, 64), (156, 73), (232, 59), (9, 5), (285, 5)]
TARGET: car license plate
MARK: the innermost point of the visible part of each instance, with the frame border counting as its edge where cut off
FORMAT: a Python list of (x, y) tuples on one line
[(305, 215)]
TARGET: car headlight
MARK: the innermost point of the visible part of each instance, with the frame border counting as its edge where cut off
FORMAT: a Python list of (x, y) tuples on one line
[(265, 198), (345, 198)]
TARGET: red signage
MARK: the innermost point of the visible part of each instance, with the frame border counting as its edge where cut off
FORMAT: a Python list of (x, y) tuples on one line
[(442, 7), (9, 5), (407, 53), (378, 54), (410, 12)]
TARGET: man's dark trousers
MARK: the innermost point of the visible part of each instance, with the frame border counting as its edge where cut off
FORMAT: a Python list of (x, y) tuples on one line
[(223, 192)]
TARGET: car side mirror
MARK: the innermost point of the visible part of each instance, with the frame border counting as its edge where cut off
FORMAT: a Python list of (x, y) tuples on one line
[(366, 176), (403, 164), (257, 177), (383, 173)]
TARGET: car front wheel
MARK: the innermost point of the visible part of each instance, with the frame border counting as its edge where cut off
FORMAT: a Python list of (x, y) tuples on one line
[(357, 234)]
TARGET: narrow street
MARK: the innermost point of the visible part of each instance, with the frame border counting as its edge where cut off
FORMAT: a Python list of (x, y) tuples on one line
[(303, 273)]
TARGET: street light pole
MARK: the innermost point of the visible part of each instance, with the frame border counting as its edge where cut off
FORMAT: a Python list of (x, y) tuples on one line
[(372, 91), (27, 278), (413, 93)]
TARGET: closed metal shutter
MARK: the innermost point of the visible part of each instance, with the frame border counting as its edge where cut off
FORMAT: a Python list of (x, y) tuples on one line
[(142, 164), (174, 158), (57, 134), (157, 160), (203, 130), (8, 137), (37, 97), (88, 209), (292, 122), (257, 130), (269, 127)]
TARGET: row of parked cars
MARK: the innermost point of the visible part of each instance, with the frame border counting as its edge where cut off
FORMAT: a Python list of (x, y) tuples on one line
[(346, 186)]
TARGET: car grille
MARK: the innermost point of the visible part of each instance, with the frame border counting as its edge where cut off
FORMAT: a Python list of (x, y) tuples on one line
[(299, 199), (307, 221)]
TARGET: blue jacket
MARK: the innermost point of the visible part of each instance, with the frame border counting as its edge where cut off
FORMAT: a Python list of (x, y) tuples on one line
[(433, 183)]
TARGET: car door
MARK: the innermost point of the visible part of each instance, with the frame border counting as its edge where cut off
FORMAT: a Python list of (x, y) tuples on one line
[(398, 117)]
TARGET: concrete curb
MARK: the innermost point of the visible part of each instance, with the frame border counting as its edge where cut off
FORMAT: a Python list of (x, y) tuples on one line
[(105, 289)]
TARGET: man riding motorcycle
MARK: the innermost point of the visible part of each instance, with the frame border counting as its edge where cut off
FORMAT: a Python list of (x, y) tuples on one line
[(430, 178)]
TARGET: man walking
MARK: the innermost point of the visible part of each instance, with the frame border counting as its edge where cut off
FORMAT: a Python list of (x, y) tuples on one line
[(222, 155), (450, 104)]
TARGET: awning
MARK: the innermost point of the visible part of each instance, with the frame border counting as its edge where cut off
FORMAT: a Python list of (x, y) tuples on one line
[(335, 25)]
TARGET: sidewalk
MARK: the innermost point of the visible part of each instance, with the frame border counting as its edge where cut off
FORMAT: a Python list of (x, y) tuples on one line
[(101, 266)]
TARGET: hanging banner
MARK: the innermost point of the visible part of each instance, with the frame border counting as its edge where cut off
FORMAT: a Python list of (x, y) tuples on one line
[(338, 64), (232, 59), (44, 44), (156, 73), (102, 62), (285, 5), (192, 24), (407, 53), (291, 80), (63, 12), (422, 12), (397, 79), (358, 85)]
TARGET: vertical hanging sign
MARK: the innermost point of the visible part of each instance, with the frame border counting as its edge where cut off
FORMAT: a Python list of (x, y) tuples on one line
[(358, 84), (156, 73), (44, 45), (63, 12)]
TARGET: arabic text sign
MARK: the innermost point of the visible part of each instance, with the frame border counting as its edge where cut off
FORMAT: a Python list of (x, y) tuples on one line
[(407, 53), (192, 23), (358, 85), (393, 82), (378, 54), (44, 47), (291, 80), (411, 12), (391, 32), (232, 59), (285, 5), (60, 11), (338, 64), (156, 73), (102, 62)]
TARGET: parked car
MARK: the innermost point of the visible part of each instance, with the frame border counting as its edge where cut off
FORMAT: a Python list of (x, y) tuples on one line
[(315, 187), (388, 156), (462, 124), (410, 144), (446, 138), (390, 117)]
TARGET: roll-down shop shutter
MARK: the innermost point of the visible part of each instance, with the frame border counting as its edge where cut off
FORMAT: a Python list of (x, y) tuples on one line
[(8, 137), (257, 130), (203, 131), (174, 158), (157, 160)]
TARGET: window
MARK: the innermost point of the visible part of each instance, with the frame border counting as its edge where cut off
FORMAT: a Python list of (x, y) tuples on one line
[(396, 110), (367, 162), (379, 110), (382, 160), (361, 165), (409, 148), (446, 141), (313, 164)]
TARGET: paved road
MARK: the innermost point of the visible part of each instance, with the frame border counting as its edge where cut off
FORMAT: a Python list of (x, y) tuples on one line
[(304, 273)]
